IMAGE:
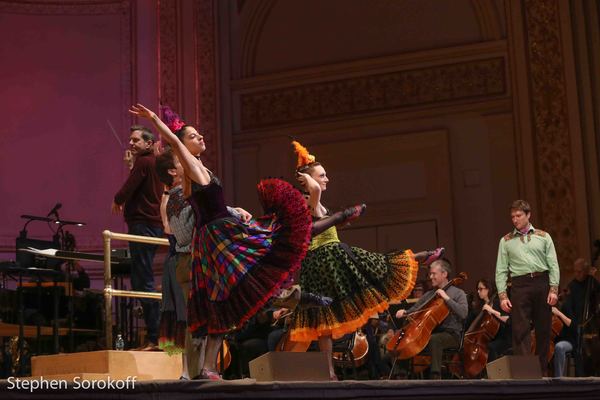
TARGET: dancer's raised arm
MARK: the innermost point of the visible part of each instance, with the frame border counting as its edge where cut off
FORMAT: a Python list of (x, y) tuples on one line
[(193, 167), (314, 194)]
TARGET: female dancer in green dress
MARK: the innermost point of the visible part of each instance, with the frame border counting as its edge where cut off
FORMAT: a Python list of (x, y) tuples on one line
[(359, 282)]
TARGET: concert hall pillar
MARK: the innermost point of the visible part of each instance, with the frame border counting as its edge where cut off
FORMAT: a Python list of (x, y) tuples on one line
[(547, 122)]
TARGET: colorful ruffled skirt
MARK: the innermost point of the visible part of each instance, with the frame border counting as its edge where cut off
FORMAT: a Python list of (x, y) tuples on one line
[(360, 283), (238, 267)]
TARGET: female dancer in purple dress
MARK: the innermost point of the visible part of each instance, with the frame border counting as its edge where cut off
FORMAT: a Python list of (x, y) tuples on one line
[(236, 267)]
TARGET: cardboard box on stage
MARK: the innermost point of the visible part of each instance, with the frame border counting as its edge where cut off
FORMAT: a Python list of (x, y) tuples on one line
[(515, 367), (289, 366), (146, 365)]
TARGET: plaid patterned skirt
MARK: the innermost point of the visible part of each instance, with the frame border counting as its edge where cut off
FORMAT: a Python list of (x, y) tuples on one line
[(361, 283), (238, 267)]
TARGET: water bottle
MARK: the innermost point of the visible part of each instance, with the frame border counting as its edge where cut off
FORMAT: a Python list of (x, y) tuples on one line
[(119, 343)]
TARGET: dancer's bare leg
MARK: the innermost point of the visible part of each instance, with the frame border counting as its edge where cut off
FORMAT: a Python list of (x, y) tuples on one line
[(213, 344), (326, 345)]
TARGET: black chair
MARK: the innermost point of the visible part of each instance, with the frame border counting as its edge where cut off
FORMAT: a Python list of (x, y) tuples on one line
[(452, 361)]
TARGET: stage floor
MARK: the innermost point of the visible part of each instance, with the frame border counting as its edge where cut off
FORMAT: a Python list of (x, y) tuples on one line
[(566, 388)]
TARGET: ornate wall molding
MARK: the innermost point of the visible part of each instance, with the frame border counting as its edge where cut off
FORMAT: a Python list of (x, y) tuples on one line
[(169, 60), (468, 80), (206, 87), (175, 88), (82, 7), (490, 21), (258, 13), (554, 165)]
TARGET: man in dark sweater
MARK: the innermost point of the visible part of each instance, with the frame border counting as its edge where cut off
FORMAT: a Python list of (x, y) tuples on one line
[(139, 201), (584, 288)]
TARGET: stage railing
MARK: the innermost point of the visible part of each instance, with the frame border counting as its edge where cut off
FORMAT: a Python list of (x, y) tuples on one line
[(109, 292)]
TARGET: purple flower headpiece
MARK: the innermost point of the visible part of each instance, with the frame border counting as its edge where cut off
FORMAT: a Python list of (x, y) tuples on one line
[(171, 119)]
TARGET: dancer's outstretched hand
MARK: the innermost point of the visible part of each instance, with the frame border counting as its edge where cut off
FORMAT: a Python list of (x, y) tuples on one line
[(245, 216), (141, 111)]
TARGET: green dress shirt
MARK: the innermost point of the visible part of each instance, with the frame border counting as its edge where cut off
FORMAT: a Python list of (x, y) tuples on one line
[(521, 254)]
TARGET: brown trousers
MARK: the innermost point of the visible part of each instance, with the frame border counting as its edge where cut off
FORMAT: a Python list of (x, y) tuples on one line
[(529, 298)]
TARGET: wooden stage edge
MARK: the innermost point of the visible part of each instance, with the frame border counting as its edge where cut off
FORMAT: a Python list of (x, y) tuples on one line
[(570, 388)]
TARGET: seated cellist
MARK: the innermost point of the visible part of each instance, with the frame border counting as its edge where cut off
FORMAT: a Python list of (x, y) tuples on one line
[(448, 333), (487, 300)]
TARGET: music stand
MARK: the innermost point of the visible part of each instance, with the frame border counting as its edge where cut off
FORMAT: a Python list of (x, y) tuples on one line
[(28, 260), (66, 236), (59, 240)]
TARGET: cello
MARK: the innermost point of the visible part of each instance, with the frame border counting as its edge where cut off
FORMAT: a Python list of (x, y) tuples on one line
[(411, 339), (285, 342), (482, 331), (223, 356), (360, 350)]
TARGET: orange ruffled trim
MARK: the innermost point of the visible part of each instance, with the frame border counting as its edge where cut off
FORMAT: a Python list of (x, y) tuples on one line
[(398, 288), (405, 258)]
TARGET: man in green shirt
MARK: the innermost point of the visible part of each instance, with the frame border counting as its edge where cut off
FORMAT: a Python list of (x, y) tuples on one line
[(528, 256)]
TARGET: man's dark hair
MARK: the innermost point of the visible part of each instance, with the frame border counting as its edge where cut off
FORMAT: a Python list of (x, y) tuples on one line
[(520, 205), (146, 134), (180, 133), (165, 162)]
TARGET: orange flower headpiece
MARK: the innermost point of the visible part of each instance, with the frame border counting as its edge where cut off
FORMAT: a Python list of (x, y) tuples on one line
[(304, 157)]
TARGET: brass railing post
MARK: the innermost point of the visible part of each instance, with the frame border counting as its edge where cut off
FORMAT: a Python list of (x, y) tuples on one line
[(107, 291)]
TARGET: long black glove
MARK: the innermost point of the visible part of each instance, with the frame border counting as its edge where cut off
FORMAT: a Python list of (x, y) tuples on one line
[(337, 218)]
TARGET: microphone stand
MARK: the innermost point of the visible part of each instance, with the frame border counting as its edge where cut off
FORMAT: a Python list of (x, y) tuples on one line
[(60, 238)]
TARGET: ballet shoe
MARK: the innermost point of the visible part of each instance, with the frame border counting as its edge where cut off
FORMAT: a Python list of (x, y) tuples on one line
[(433, 255), (210, 375)]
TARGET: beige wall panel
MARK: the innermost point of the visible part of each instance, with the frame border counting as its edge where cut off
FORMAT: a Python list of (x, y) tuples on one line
[(417, 236), (365, 238), (403, 178), (503, 164), (399, 177), (246, 167), (299, 33)]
